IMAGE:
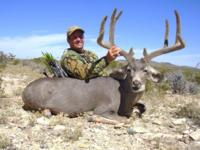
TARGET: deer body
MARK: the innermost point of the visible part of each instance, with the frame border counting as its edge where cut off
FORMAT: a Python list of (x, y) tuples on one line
[(72, 95), (103, 95)]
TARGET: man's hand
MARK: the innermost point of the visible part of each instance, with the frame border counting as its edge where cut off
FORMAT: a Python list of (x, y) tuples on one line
[(113, 53)]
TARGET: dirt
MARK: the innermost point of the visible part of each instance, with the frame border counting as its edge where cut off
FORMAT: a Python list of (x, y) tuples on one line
[(171, 122)]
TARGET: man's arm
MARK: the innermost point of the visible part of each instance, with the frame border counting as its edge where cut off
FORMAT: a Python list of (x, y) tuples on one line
[(78, 67)]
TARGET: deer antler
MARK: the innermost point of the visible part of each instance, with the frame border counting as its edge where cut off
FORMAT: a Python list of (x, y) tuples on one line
[(179, 43), (111, 42)]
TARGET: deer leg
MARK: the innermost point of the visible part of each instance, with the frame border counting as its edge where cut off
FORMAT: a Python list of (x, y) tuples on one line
[(109, 119), (100, 119), (139, 109), (115, 116)]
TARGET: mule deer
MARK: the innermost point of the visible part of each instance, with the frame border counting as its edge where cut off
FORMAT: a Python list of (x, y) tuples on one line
[(113, 97)]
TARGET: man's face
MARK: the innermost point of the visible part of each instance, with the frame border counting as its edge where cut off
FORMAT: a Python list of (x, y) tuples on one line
[(76, 40)]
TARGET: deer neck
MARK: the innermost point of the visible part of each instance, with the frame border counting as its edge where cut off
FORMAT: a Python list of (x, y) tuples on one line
[(128, 98)]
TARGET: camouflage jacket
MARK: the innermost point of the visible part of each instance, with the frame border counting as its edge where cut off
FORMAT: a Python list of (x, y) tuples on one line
[(83, 66)]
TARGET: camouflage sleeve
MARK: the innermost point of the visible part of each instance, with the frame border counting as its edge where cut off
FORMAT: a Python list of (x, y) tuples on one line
[(98, 68), (83, 67), (74, 65)]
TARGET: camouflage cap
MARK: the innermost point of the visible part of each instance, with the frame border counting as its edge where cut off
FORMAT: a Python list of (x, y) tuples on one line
[(73, 29)]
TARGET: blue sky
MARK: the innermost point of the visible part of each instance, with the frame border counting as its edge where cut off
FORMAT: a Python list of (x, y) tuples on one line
[(30, 27)]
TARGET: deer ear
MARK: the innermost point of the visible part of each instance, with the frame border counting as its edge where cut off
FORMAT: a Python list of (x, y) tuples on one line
[(154, 75), (119, 74)]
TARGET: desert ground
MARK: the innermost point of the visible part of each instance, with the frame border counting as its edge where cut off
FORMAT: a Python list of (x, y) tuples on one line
[(171, 122)]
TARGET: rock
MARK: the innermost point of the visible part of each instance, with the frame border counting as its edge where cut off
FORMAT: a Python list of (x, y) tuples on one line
[(194, 146), (59, 127), (179, 121), (58, 130), (195, 135), (131, 131), (47, 113), (43, 121), (140, 130), (157, 122)]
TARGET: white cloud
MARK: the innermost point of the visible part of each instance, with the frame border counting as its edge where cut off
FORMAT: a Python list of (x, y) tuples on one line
[(31, 46)]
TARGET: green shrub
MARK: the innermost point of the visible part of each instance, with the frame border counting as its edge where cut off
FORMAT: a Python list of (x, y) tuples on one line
[(188, 74), (163, 69), (38, 60), (1, 89), (2, 66), (159, 88), (197, 77), (16, 61)]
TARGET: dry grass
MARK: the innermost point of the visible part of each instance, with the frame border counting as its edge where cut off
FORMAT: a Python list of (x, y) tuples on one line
[(191, 111), (4, 141)]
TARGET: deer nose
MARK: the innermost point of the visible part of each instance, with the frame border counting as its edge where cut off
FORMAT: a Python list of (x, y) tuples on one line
[(136, 85)]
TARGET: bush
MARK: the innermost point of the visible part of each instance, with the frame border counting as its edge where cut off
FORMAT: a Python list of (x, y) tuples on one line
[(159, 88), (191, 111), (16, 62), (4, 58), (188, 74), (178, 82), (4, 141), (163, 69), (38, 60), (197, 77), (180, 85), (1, 89)]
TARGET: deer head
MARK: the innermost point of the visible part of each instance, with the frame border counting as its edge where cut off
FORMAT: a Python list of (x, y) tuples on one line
[(138, 71)]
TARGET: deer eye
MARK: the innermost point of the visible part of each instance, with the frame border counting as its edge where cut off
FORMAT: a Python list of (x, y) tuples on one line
[(129, 69), (145, 70)]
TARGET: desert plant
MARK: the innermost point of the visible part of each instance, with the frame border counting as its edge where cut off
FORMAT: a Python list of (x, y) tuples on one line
[(73, 133), (180, 85), (4, 141), (4, 58), (197, 77), (1, 89), (52, 65), (163, 69), (188, 74), (177, 81), (192, 87), (158, 88), (191, 111), (16, 61)]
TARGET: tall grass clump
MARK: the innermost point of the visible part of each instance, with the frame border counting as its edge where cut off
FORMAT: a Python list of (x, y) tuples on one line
[(191, 111), (1, 89), (4, 141)]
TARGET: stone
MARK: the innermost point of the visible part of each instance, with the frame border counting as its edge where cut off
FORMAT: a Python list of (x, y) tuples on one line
[(195, 135), (43, 121), (179, 121)]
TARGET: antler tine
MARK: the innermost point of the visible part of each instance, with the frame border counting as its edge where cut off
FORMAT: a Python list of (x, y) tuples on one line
[(166, 42), (178, 28), (129, 56), (109, 44), (114, 19), (100, 40), (113, 22), (179, 44)]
